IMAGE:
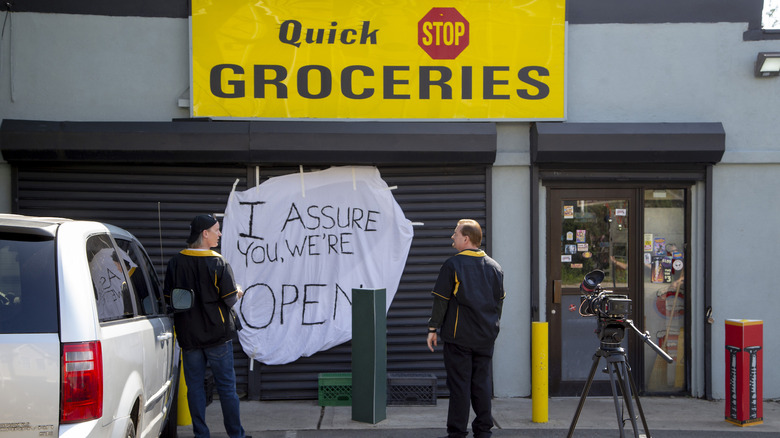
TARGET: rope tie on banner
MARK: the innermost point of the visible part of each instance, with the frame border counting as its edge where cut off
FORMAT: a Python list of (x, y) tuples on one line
[(232, 190), (303, 186)]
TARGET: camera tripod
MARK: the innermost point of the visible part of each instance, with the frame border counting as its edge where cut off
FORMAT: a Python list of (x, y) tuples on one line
[(611, 333)]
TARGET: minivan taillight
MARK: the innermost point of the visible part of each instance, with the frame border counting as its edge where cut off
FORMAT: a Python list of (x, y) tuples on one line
[(82, 382)]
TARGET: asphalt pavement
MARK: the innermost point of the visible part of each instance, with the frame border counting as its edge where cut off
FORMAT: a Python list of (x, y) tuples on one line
[(666, 417)]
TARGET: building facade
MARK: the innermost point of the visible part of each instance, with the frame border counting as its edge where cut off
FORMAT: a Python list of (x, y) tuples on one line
[(666, 155)]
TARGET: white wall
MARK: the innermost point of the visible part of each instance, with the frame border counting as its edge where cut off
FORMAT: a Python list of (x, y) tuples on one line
[(510, 246), (745, 278), (95, 68), (673, 73)]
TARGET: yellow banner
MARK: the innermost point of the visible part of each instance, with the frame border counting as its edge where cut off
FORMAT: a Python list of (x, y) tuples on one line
[(376, 59)]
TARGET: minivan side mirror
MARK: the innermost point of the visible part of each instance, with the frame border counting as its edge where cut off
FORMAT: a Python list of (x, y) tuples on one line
[(181, 299)]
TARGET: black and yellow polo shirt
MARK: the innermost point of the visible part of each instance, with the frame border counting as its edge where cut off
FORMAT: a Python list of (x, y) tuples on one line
[(208, 322), (473, 286)]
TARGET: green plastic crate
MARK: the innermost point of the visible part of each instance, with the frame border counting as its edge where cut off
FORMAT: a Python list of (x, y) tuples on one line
[(335, 389)]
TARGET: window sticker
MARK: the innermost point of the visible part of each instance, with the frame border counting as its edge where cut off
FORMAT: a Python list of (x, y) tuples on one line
[(667, 275), (659, 246), (657, 271), (648, 242)]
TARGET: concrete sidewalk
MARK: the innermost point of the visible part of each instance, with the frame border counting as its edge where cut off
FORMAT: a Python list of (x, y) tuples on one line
[(291, 419)]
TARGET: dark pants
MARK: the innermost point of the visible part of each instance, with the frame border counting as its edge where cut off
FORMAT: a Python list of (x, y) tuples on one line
[(469, 380), (220, 358)]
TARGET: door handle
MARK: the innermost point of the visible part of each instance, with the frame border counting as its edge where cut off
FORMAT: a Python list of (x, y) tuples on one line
[(164, 337), (556, 291)]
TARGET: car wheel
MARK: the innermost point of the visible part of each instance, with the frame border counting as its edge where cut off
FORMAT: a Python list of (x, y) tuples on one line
[(130, 433)]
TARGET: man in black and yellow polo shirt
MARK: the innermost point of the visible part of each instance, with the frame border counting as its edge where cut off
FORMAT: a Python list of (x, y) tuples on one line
[(205, 331), (467, 301)]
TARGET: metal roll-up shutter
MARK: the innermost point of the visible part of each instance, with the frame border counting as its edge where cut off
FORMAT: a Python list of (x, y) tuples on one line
[(436, 197), (129, 197), (155, 203)]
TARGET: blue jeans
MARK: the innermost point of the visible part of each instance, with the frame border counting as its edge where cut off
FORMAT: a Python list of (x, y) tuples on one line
[(220, 358)]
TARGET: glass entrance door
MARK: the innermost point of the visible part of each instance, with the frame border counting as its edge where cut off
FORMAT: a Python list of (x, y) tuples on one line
[(588, 230), (663, 287), (637, 237)]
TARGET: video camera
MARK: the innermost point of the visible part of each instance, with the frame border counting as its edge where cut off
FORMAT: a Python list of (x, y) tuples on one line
[(595, 301), (612, 311)]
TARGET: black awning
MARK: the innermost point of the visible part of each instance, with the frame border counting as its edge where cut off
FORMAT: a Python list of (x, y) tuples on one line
[(645, 143), (206, 141)]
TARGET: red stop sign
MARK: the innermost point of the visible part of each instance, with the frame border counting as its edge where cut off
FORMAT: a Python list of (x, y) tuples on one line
[(443, 33)]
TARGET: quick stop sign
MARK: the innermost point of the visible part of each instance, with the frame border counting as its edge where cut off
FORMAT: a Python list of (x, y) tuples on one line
[(443, 33), (361, 59)]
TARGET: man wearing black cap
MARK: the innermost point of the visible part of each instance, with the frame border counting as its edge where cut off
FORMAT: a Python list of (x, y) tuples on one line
[(206, 330)]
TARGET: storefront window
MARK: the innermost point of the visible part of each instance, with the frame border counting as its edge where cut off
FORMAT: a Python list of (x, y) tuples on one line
[(595, 236), (664, 287)]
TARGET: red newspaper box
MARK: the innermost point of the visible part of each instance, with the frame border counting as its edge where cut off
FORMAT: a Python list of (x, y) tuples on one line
[(744, 371)]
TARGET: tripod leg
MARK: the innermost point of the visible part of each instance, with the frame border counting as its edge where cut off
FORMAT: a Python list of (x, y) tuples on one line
[(626, 390), (612, 372), (596, 358), (638, 403)]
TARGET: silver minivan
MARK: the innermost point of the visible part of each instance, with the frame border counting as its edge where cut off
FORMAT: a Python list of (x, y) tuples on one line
[(87, 347)]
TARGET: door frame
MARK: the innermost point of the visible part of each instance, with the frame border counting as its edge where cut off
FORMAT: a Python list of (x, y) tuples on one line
[(554, 313), (606, 152)]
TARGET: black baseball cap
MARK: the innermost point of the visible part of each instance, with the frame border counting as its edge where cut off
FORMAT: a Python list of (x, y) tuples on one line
[(200, 223)]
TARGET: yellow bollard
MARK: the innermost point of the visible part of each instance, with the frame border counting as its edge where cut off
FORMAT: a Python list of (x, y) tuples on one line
[(183, 417), (539, 372)]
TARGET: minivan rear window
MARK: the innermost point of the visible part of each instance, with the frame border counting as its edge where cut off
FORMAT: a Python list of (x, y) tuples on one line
[(28, 285)]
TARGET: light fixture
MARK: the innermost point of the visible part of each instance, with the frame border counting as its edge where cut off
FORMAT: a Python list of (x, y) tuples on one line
[(767, 64)]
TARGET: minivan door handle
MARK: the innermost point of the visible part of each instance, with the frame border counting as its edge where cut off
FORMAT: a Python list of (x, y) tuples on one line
[(164, 337)]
